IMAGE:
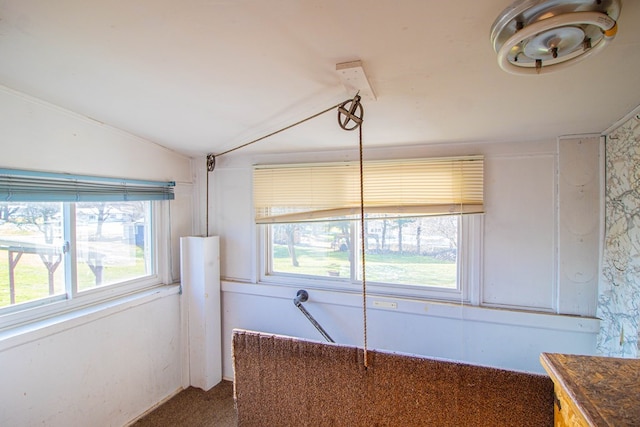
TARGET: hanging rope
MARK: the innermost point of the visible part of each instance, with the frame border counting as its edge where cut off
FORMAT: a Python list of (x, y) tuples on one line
[(350, 116), (363, 249), (211, 158)]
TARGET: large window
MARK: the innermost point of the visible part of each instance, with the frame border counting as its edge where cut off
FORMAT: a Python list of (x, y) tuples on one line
[(112, 244), (419, 251), (53, 249), (419, 238)]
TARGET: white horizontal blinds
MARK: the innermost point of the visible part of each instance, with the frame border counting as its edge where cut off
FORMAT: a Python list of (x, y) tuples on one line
[(30, 186), (424, 186), (304, 192), (290, 193)]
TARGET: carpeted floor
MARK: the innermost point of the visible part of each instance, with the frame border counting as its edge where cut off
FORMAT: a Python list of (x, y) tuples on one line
[(195, 408)]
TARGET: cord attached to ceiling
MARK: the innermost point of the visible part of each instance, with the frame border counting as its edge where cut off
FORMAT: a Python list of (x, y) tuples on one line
[(353, 115), (350, 112), (350, 117)]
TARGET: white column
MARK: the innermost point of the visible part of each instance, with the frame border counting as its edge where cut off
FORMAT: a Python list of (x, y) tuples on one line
[(200, 272), (579, 233)]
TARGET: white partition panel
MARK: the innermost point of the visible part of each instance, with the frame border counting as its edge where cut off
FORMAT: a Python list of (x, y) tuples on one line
[(200, 269), (579, 231)]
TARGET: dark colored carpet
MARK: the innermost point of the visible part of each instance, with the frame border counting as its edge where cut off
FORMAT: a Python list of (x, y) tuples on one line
[(284, 381), (195, 408)]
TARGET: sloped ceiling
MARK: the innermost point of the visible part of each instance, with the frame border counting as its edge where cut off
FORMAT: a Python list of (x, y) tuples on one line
[(203, 76)]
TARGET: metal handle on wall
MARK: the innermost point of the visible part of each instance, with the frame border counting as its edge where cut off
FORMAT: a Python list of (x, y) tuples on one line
[(301, 297)]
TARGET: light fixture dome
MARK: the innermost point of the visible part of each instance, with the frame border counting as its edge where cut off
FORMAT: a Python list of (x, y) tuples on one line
[(540, 36)]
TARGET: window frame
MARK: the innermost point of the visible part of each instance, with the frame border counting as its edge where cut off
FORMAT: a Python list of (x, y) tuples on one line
[(72, 299), (470, 231)]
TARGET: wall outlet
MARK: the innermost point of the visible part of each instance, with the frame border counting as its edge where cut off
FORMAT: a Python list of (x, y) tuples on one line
[(385, 304)]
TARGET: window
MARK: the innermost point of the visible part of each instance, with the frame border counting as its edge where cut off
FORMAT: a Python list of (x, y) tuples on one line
[(109, 247), (32, 241), (418, 218), (110, 242), (53, 249), (409, 251)]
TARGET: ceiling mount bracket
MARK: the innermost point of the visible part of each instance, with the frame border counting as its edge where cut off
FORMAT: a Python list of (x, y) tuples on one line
[(355, 80), (541, 36)]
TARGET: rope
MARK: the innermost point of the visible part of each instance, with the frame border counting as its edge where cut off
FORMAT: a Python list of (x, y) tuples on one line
[(363, 247), (206, 231), (350, 115), (280, 130)]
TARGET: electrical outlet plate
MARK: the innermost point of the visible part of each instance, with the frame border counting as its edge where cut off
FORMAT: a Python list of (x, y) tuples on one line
[(385, 304)]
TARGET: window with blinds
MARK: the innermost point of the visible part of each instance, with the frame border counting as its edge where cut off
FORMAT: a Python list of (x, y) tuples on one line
[(32, 186), (74, 238), (418, 232), (311, 192)]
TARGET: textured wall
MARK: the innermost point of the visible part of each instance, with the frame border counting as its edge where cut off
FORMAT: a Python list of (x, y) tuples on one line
[(619, 290)]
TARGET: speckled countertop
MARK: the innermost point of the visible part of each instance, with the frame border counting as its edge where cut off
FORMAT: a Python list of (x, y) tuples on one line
[(606, 390)]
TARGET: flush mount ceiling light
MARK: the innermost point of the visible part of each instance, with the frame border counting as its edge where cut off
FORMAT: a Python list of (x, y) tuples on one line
[(541, 36)]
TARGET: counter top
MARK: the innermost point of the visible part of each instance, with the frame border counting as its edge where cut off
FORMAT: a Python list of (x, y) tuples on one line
[(605, 390)]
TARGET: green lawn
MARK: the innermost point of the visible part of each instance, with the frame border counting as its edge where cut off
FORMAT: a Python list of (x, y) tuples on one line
[(388, 268), (32, 281)]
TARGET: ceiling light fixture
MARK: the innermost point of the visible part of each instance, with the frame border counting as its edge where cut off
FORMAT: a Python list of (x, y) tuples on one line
[(541, 36)]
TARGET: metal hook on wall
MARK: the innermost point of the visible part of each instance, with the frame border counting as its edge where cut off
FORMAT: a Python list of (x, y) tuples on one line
[(211, 162), (301, 297)]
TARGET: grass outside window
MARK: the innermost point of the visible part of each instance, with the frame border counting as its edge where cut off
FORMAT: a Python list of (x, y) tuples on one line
[(402, 251)]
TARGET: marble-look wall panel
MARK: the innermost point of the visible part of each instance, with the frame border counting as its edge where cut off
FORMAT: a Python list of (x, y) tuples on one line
[(619, 289)]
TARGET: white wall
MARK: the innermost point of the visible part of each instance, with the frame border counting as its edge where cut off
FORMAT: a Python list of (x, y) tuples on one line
[(109, 366), (491, 337), (39, 136), (103, 369), (519, 313)]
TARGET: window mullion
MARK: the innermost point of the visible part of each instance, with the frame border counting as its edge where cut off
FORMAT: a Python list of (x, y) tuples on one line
[(71, 270), (355, 254), (472, 227), (267, 241)]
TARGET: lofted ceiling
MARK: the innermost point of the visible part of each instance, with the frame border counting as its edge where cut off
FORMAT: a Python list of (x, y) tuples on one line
[(203, 76)]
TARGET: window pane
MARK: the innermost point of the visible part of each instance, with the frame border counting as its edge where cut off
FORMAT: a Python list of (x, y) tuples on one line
[(317, 249), (113, 242), (31, 255), (419, 251), (413, 251)]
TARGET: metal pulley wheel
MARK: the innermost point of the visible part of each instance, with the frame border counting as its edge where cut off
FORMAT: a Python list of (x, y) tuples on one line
[(350, 114)]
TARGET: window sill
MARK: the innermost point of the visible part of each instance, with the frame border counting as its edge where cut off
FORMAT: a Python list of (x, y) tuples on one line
[(330, 284), (32, 331), (451, 310)]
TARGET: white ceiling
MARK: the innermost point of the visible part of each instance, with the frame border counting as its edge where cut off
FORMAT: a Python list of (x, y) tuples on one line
[(201, 76)]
